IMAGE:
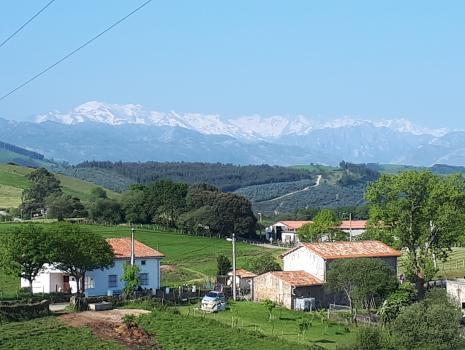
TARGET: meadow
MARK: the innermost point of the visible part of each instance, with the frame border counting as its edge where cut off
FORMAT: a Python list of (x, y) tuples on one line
[(284, 324), (182, 332), (13, 181), (49, 333)]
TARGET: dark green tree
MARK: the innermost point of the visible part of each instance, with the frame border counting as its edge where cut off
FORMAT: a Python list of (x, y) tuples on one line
[(77, 250), (424, 213), (42, 183), (24, 250), (223, 265), (263, 263), (324, 225), (61, 205), (106, 210), (431, 324), (98, 193), (133, 206), (361, 280)]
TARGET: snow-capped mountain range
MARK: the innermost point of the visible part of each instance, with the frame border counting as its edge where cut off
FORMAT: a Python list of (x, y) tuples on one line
[(102, 131), (246, 127)]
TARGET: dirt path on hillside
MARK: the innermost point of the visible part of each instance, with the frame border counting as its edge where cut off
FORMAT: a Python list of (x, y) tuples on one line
[(318, 179), (108, 325)]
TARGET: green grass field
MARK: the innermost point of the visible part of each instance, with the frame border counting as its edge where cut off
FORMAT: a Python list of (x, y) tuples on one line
[(49, 333), (192, 259), (182, 332), (13, 181), (285, 324)]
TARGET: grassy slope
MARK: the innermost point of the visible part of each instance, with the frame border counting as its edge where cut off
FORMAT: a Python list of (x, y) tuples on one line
[(180, 332), (253, 316), (13, 181), (48, 333), (194, 257)]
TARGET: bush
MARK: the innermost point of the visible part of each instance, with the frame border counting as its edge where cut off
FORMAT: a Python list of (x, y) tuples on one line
[(130, 320), (433, 323), (22, 312)]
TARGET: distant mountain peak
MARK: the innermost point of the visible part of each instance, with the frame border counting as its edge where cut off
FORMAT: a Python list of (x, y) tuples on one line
[(243, 127)]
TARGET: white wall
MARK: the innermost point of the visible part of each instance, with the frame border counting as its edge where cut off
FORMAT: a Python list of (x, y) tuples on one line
[(456, 290), (303, 259), (152, 267), (47, 280)]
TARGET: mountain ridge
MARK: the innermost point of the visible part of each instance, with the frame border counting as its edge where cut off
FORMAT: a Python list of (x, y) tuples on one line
[(99, 131)]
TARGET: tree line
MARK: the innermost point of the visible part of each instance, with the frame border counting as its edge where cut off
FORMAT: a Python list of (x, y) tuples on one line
[(198, 209)]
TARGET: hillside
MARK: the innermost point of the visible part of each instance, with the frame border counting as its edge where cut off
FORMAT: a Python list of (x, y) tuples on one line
[(13, 181), (13, 154), (227, 177)]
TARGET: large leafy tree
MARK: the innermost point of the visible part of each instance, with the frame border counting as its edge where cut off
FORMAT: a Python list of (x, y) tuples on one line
[(42, 184), (106, 210), (433, 323), (263, 263), (362, 281), (24, 251), (77, 250), (324, 225), (165, 201), (61, 205), (423, 213), (223, 265)]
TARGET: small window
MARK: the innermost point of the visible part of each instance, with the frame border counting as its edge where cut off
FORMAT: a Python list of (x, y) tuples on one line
[(142, 262), (112, 281), (89, 282), (144, 279)]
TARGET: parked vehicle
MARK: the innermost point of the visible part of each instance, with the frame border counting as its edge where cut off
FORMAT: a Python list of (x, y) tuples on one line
[(213, 301)]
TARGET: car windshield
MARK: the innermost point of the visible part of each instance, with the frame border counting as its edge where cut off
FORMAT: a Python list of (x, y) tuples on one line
[(212, 295)]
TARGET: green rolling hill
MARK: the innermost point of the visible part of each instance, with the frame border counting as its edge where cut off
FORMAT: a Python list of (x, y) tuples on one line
[(13, 180)]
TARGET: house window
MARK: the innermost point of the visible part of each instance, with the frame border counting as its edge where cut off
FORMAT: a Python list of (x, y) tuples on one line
[(89, 282), (144, 279), (142, 262), (112, 281)]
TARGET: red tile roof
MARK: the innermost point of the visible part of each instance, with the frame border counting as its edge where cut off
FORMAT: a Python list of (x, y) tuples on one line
[(243, 273), (355, 224), (347, 250), (294, 224), (297, 278), (122, 249)]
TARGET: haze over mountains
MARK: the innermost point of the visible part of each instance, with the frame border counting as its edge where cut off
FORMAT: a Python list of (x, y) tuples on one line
[(101, 131)]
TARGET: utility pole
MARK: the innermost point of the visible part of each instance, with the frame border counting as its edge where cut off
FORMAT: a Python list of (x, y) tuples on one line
[(132, 247), (234, 264), (350, 226), (233, 240)]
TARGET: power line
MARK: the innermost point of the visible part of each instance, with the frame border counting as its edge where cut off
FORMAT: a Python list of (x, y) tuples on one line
[(26, 23), (74, 51)]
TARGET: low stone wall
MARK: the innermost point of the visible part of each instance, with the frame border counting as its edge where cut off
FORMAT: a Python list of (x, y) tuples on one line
[(20, 312)]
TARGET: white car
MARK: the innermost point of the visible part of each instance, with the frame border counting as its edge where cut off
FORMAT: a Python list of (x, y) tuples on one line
[(213, 302)]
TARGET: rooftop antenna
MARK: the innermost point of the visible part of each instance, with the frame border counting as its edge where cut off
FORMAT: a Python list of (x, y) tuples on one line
[(133, 254)]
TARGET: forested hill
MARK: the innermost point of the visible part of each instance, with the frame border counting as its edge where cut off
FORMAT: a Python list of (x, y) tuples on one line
[(13, 154), (227, 177)]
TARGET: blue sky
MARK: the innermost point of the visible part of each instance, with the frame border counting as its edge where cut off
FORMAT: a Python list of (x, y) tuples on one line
[(327, 59)]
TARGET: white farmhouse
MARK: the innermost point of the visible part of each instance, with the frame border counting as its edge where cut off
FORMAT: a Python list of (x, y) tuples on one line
[(305, 269), (287, 231), (106, 281)]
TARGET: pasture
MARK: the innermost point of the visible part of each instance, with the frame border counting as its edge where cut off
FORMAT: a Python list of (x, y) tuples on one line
[(13, 181), (284, 324)]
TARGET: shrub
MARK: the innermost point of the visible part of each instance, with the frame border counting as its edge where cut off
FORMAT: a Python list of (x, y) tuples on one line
[(130, 320)]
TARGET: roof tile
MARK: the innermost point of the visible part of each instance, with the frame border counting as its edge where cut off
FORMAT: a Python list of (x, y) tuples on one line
[(297, 278), (122, 249)]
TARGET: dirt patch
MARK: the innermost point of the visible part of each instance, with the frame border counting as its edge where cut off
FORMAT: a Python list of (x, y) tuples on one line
[(108, 325), (167, 268)]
